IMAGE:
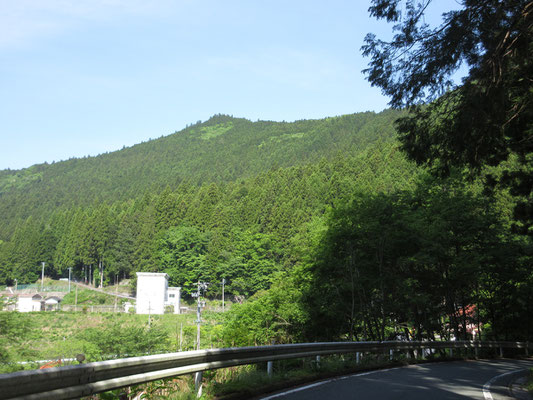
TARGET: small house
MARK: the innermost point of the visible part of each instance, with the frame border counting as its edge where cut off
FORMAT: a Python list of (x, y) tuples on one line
[(29, 302), (52, 303)]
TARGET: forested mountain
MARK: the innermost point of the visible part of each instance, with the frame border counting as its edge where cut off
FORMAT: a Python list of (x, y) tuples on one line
[(335, 229), (224, 198), (325, 226), (222, 149)]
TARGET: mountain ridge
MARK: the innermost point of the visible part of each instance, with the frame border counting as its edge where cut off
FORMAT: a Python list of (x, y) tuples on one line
[(221, 149)]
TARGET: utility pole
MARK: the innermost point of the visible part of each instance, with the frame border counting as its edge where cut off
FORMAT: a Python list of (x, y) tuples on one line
[(69, 274), (149, 314), (223, 282), (42, 278), (200, 304), (116, 291)]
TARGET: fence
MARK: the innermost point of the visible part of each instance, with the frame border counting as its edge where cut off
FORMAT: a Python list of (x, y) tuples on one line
[(86, 379), (35, 287), (93, 309)]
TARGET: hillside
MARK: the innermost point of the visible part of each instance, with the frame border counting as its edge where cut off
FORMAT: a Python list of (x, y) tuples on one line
[(228, 198), (222, 149)]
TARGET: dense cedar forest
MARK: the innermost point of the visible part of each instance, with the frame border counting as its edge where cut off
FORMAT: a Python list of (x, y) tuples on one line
[(220, 199), (333, 229), (323, 229)]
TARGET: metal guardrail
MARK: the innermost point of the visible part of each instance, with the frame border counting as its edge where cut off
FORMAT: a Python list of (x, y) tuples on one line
[(86, 379)]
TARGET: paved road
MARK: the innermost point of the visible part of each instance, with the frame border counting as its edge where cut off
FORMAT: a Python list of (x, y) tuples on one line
[(436, 381)]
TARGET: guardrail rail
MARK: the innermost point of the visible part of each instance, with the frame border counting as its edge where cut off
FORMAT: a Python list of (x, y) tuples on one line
[(77, 381)]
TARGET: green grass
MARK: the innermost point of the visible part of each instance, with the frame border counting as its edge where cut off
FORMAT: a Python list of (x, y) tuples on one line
[(49, 285), (52, 335), (90, 297), (213, 131)]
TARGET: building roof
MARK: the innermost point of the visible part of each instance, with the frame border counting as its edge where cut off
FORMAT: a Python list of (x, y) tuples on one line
[(152, 274), (31, 296)]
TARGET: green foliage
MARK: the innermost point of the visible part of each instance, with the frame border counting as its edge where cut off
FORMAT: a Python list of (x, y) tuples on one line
[(483, 122), (249, 264), (45, 336), (411, 264), (243, 227), (182, 254), (356, 268), (241, 231), (14, 328), (272, 316), (222, 149), (213, 131), (89, 297), (322, 229), (120, 340)]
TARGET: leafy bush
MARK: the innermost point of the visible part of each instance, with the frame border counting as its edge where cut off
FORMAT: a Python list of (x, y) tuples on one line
[(120, 340)]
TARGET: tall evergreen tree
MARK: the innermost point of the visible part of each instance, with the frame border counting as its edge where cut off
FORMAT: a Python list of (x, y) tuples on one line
[(487, 120)]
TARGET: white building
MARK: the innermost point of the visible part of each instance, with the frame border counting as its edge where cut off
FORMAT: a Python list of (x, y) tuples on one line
[(153, 294), (174, 298), (29, 302)]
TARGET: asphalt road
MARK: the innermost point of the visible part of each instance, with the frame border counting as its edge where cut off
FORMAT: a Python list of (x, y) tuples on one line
[(436, 381)]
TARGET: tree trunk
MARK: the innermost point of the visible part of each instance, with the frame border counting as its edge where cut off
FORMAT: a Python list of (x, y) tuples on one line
[(101, 268)]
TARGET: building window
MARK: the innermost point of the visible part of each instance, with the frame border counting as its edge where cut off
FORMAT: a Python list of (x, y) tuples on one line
[(171, 296)]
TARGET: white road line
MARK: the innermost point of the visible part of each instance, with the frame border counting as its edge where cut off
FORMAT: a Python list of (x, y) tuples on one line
[(299, 389), (486, 386)]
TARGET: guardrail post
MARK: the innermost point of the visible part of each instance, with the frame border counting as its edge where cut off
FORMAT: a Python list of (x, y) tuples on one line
[(451, 352), (527, 349), (476, 352), (501, 351), (270, 366), (198, 384), (357, 357), (407, 354), (391, 354), (318, 361)]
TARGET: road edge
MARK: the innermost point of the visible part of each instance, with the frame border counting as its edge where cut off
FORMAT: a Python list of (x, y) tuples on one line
[(487, 386)]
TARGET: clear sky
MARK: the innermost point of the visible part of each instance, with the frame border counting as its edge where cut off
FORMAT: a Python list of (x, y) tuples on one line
[(82, 77)]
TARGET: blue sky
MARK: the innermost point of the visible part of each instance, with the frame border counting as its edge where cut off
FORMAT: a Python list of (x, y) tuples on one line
[(83, 77)]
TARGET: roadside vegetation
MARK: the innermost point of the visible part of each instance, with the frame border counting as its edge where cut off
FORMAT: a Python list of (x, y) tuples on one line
[(28, 337), (248, 381), (326, 230)]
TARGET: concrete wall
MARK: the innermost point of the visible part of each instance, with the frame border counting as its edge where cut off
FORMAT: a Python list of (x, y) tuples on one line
[(152, 290)]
